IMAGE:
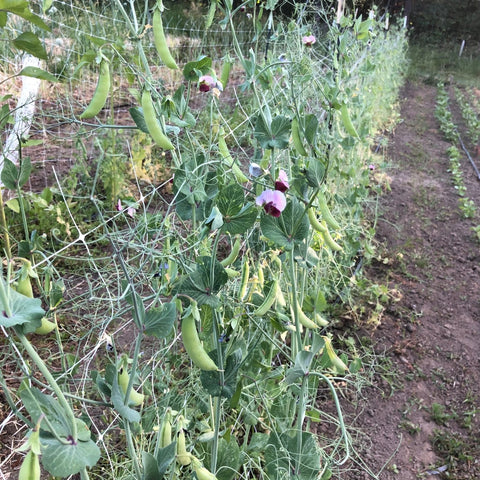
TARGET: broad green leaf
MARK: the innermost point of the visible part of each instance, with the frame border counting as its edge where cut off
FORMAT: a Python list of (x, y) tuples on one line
[(3, 19), (62, 460), (23, 310), (228, 460), (292, 225), (310, 124), (230, 200), (165, 457), (36, 72), (301, 367), (211, 379), (275, 134), (159, 321), (13, 205), (137, 114), (282, 455), (203, 284), (191, 69), (150, 467), (30, 43), (315, 173), (242, 221), (14, 177), (20, 8)]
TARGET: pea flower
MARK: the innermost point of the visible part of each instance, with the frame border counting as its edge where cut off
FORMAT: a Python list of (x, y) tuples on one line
[(308, 40), (207, 83), (273, 201), (281, 183)]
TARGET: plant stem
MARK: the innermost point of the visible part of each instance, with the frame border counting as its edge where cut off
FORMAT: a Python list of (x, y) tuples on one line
[(3, 223), (51, 381), (340, 415)]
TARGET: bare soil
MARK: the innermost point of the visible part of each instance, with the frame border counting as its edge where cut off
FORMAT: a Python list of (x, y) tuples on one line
[(421, 416)]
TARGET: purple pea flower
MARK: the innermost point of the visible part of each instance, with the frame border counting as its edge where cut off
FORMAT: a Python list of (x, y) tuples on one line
[(308, 40), (281, 183), (207, 83), (273, 201)]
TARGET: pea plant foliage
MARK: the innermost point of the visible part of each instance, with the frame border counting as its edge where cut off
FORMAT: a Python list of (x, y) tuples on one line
[(229, 285)]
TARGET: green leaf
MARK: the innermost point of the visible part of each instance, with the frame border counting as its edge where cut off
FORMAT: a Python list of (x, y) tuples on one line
[(211, 380), (204, 282), (159, 321), (310, 124), (23, 310), (36, 72), (191, 69), (137, 115), (228, 460), (3, 19), (150, 467), (282, 454), (14, 177), (30, 43), (62, 460), (275, 134), (240, 223), (118, 398), (20, 8), (165, 457), (4, 114), (301, 367), (292, 225), (13, 205), (315, 173), (230, 200)]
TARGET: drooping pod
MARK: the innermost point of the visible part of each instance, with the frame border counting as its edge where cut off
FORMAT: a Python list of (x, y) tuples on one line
[(101, 92), (193, 345), (134, 398), (297, 141), (160, 41), (152, 123)]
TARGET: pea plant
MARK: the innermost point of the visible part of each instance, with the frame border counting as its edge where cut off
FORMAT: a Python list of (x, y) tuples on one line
[(232, 282), (448, 127)]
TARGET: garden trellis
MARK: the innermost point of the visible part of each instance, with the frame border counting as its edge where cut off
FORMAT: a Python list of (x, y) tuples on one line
[(193, 256)]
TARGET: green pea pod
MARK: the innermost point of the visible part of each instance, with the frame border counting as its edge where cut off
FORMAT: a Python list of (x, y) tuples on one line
[(193, 345), (135, 398), (347, 121), (184, 458), (242, 291), (297, 141), (304, 320), (233, 253), (101, 92), (329, 241), (152, 123), (268, 301), (225, 74), (160, 41), (325, 211), (210, 14), (30, 469), (166, 430), (314, 222), (335, 360)]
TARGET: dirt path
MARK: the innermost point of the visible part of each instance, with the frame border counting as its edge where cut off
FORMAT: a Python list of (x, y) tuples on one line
[(426, 414)]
